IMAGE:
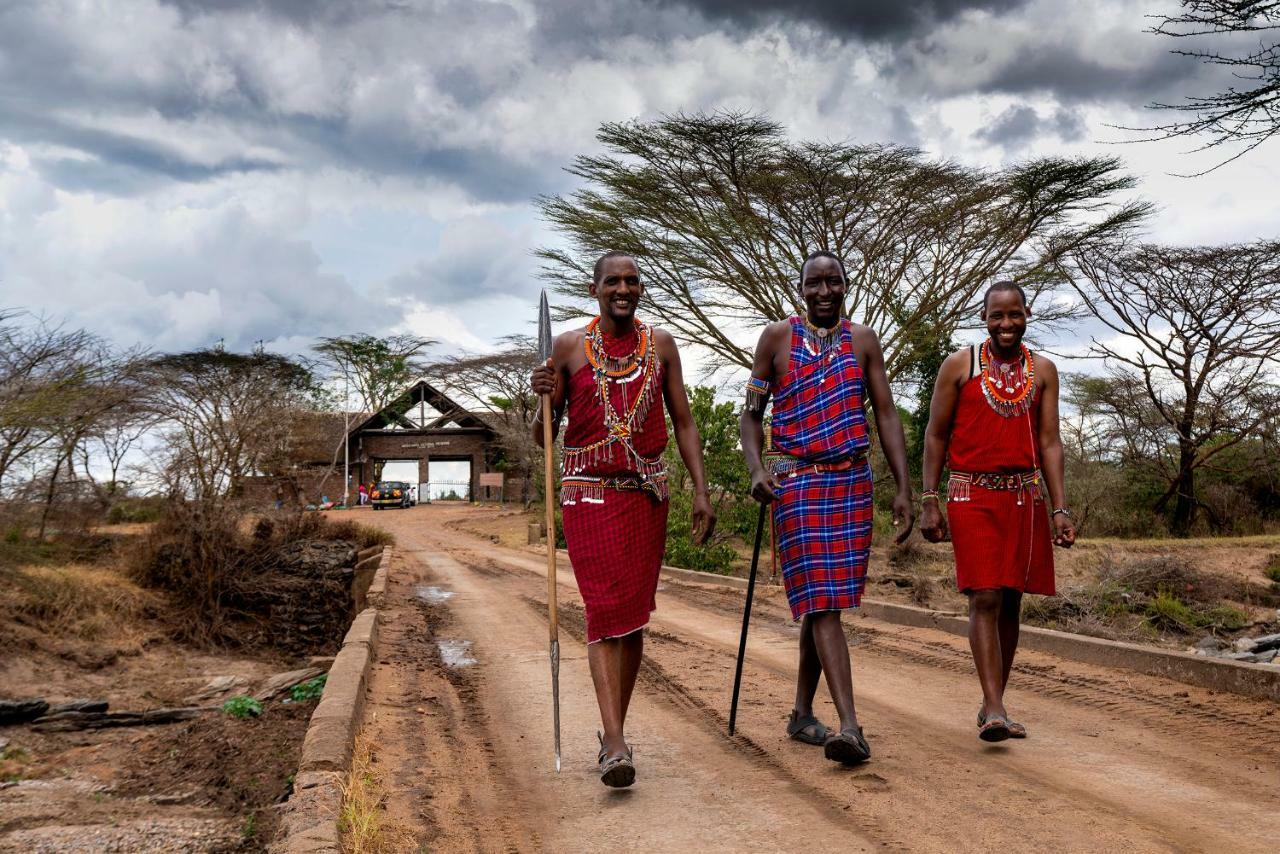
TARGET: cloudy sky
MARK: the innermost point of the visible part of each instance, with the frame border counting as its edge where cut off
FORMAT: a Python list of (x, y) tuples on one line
[(175, 172)]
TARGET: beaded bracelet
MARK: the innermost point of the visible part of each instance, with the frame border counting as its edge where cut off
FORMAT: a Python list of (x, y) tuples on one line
[(929, 493), (1064, 511)]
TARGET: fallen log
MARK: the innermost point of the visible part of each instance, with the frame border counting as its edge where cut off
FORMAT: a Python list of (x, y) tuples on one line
[(78, 706), (21, 711), (75, 721)]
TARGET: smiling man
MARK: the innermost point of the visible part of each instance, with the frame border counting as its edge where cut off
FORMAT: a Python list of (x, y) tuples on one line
[(615, 375), (994, 419), (820, 369)]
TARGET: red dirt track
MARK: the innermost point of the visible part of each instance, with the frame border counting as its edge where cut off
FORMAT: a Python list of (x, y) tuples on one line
[(1115, 761)]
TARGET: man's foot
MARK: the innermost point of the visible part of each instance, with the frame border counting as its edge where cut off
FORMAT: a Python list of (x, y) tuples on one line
[(617, 771), (1017, 730), (993, 728), (848, 747), (806, 728)]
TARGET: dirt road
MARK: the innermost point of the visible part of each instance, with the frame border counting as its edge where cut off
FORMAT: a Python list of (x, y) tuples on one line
[(461, 722)]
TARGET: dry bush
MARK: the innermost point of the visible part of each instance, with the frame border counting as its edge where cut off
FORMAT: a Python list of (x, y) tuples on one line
[(89, 603), (279, 582), (291, 527)]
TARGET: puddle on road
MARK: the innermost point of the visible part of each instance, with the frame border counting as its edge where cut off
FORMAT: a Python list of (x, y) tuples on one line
[(433, 595), (456, 653)]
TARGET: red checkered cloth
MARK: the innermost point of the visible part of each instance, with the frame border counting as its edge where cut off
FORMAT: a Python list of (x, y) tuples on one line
[(822, 519), (616, 550), (616, 540)]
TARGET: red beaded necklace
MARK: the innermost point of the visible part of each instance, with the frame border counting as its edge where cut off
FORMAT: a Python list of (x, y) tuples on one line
[(1009, 393)]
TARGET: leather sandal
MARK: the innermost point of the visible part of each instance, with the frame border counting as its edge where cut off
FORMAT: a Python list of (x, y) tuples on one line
[(616, 772), (847, 747), (797, 725), (994, 728), (1016, 730)]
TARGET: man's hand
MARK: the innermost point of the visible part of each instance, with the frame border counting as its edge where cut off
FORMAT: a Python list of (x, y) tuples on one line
[(545, 379), (1064, 530), (764, 486), (703, 520), (904, 515), (932, 524)]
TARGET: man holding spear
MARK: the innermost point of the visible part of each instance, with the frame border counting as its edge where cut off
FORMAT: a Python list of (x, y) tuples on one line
[(819, 369), (614, 376)]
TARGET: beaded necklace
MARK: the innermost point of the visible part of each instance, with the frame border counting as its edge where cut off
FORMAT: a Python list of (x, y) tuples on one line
[(819, 339), (1009, 388), (641, 364)]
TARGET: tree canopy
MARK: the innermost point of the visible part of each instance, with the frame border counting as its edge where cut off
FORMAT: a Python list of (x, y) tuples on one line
[(1247, 109), (720, 210)]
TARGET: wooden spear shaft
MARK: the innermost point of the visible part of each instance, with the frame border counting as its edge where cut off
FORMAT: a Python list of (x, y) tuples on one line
[(548, 455)]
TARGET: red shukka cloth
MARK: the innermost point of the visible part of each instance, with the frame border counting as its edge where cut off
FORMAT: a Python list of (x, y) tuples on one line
[(615, 541), (998, 542)]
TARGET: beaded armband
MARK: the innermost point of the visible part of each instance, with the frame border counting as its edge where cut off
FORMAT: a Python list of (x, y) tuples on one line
[(757, 394)]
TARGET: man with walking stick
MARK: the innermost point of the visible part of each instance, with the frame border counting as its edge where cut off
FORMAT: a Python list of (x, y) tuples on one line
[(819, 369), (614, 377)]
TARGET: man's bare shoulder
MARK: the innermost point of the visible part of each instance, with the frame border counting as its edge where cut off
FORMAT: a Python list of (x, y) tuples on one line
[(862, 332), (1044, 365), (776, 331), (568, 341)]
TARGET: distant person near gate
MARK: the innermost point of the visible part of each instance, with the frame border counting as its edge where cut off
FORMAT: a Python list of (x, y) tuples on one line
[(614, 377), (994, 420), (819, 369)]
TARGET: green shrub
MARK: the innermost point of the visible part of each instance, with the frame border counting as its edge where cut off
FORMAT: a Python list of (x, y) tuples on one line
[(242, 707), (713, 557), (1169, 613), (309, 690), (133, 510), (1273, 570)]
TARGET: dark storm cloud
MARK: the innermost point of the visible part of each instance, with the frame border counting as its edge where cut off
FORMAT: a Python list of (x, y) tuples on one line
[(1070, 75), (864, 19), (118, 161), (1021, 124)]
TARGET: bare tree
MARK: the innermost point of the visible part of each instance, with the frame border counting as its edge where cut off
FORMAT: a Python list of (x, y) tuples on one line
[(1247, 110), (41, 367), (720, 210), (498, 384), (1196, 340), (222, 414)]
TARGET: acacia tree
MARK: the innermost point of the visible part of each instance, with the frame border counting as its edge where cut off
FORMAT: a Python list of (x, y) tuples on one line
[(498, 383), (222, 414), (1191, 362), (720, 210), (1247, 110), (41, 366), (378, 367)]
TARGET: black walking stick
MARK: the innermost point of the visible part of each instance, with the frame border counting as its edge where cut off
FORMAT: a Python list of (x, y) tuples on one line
[(746, 618)]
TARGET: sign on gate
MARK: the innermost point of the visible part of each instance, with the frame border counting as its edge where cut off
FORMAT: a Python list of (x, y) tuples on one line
[(493, 479)]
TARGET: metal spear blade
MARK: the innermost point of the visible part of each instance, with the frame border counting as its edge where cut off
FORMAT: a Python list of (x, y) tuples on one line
[(555, 695), (544, 329)]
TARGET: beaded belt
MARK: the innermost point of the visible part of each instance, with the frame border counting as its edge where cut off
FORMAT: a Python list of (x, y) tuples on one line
[(590, 490), (1022, 482), (788, 466)]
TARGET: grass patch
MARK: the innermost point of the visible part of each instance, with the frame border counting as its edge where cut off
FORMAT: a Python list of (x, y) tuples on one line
[(90, 603), (1272, 572), (360, 817), (1162, 595)]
